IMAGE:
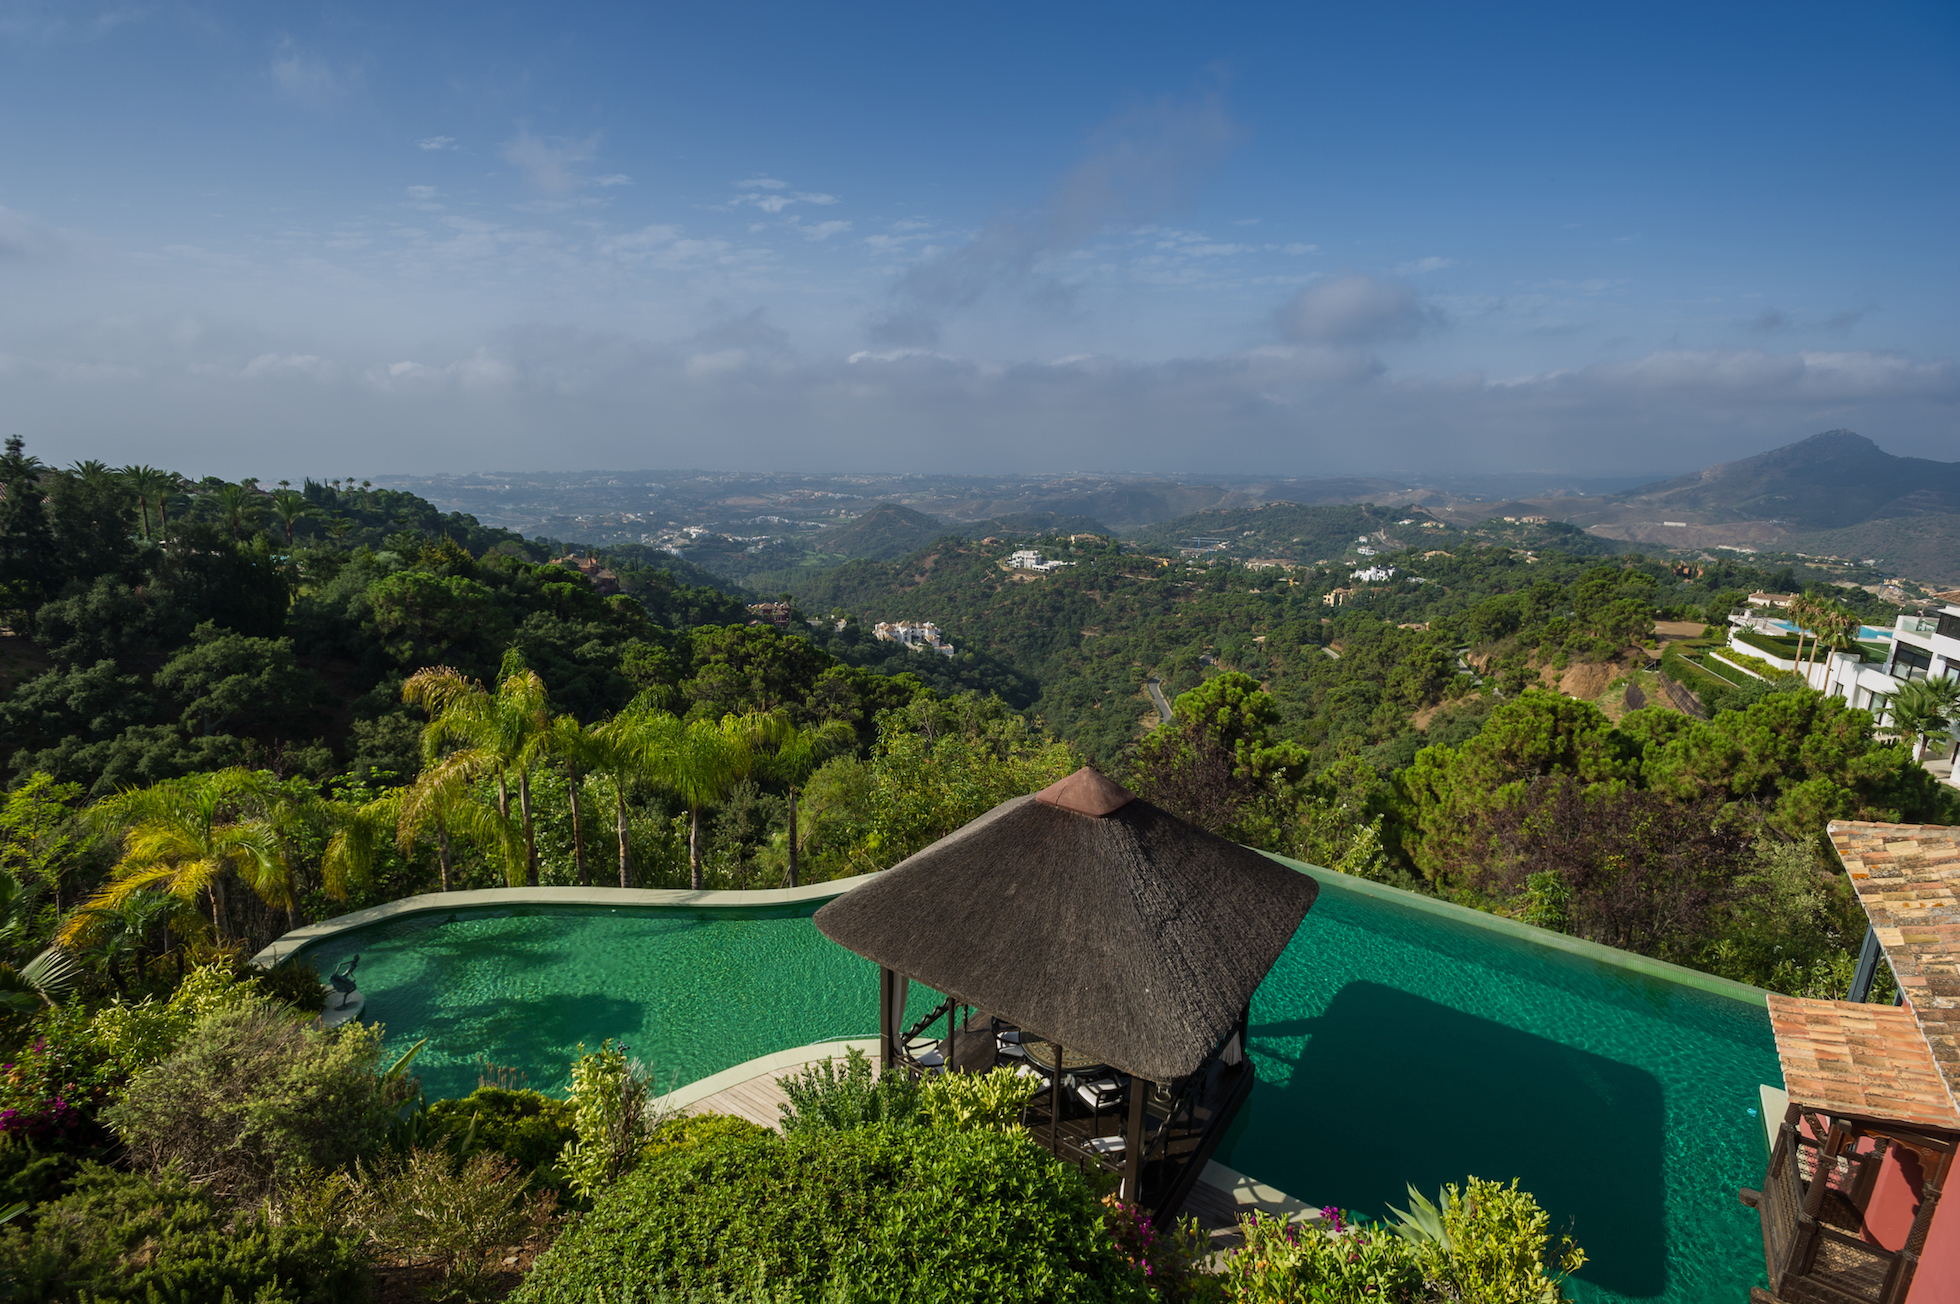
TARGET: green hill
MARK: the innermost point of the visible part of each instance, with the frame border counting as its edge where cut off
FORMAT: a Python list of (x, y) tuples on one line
[(1289, 531), (885, 532)]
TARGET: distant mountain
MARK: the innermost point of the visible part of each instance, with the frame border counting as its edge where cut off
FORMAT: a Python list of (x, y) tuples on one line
[(1825, 482), (883, 533)]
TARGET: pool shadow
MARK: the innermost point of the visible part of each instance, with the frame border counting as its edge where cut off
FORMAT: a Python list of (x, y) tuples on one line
[(1392, 1089)]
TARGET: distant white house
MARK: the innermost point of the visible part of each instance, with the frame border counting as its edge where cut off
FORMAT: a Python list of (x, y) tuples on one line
[(916, 635), (1029, 559), (1374, 575), (1365, 550)]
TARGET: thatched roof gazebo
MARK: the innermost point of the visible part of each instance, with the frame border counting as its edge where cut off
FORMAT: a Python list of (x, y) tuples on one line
[(1119, 943)]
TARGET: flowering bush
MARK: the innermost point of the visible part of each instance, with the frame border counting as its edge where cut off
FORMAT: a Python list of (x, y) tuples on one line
[(1334, 1263), (1171, 1262), (56, 1081)]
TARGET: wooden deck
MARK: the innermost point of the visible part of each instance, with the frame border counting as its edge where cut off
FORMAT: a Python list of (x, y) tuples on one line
[(1220, 1198)]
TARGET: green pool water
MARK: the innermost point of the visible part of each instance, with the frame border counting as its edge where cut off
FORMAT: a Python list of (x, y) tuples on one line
[(1393, 1044)]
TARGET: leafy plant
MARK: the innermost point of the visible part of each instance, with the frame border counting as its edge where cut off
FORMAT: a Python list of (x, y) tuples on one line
[(252, 1098), (1487, 1243), (433, 1206), (294, 983), (699, 1130), (870, 1213), (823, 1098), (1291, 1263), (985, 1101), (612, 1113), (1172, 1262), (528, 1128), (144, 1239)]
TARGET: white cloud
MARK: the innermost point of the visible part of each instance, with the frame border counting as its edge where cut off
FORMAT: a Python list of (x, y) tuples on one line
[(762, 183), (824, 230), (305, 80), (549, 163), (615, 179), (773, 195), (1430, 264), (1352, 309), (436, 142)]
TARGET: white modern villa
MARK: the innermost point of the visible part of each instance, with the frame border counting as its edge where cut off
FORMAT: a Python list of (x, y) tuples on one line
[(1917, 647)]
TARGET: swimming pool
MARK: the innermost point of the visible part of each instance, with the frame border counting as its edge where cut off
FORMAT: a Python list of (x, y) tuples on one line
[(1394, 1043)]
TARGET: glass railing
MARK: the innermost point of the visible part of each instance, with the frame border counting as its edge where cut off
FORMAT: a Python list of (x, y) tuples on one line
[(1917, 624)]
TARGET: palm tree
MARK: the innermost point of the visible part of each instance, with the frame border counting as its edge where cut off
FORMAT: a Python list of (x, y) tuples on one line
[(495, 735), (791, 755), (1803, 614), (288, 508), (581, 752), (1923, 710), (236, 507), (361, 831), (185, 837), (627, 747), (708, 759), (151, 483)]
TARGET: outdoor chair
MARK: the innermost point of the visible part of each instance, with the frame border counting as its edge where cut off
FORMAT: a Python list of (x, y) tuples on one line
[(1103, 1093)]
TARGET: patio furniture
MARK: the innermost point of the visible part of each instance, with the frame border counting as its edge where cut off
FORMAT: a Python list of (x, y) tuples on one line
[(1120, 941)]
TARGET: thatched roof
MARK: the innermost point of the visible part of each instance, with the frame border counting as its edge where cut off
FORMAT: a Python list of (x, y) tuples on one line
[(1087, 915)]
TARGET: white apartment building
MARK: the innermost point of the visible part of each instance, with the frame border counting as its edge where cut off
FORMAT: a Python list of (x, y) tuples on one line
[(916, 635), (1374, 575), (1029, 559)]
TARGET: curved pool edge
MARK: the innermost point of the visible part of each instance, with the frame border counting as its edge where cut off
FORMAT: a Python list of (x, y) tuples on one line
[(1537, 936), (291, 942)]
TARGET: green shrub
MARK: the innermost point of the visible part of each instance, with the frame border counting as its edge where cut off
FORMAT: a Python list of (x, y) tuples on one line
[(137, 1036), (252, 1098), (1487, 1243), (1290, 1263), (872, 1213), (611, 1115), (163, 1240), (432, 1206), (699, 1130), (975, 1101), (292, 982), (526, 1127), (821, 1098)]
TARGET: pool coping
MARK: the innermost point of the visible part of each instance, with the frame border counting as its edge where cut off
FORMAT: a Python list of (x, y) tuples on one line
[(288, 943), (1641, 964)]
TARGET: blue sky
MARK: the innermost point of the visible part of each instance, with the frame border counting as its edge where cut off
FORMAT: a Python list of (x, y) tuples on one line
[(332, 239)]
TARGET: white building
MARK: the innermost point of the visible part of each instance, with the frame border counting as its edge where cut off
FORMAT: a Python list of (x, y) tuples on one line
[(1374, 575), (1029, 559), (1922, 647), (913, 634)]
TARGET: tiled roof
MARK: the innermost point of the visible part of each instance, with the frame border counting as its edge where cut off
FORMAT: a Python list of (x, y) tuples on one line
[(1864, 1060), (1907, 877)]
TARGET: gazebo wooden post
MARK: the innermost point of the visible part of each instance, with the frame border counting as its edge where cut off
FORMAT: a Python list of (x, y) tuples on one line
[(884, 1020), (1055, 1105), (1133, 1143)]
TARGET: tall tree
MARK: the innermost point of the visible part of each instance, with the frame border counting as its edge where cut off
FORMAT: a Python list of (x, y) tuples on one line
[(630, 747), (476, 734), (706, 760), (187, 837), (238, 508), (27, 553), (152, 484), (791, 755), (289, 507)]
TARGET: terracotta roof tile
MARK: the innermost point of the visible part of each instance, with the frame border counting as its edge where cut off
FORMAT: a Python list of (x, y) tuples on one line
[(1907, 877), (1868, 1061)]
